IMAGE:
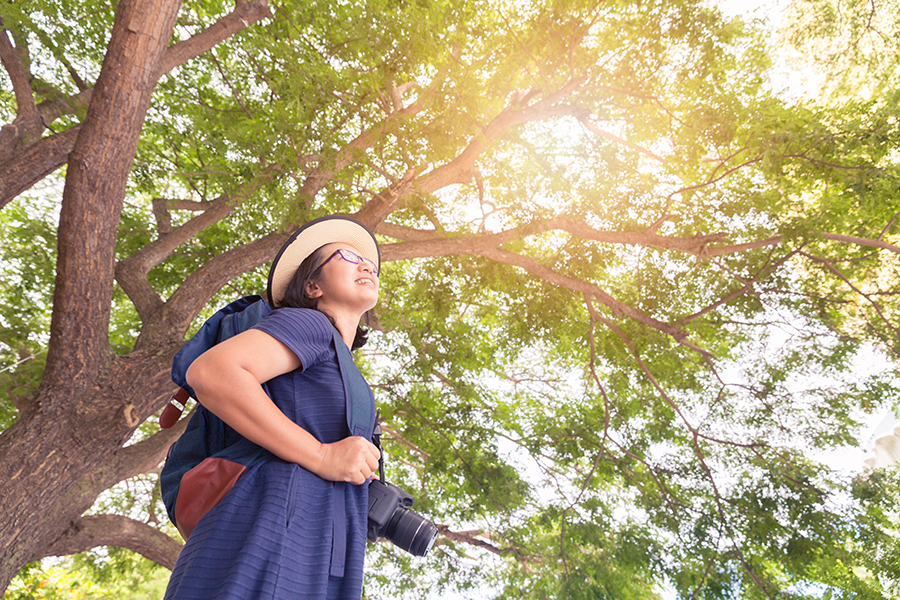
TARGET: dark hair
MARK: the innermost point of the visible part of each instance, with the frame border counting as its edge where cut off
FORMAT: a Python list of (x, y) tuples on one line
[(295, 294)]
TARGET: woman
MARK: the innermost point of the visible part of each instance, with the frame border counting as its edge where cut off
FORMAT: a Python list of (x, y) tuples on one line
[(293, 526)]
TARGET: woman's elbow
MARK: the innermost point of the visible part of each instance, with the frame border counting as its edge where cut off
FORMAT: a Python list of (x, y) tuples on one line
[(218, 379), (201, 376)]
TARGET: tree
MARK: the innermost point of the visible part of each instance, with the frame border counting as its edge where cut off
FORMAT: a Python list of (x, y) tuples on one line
[(616, 268), (98, 166), (847, 49)]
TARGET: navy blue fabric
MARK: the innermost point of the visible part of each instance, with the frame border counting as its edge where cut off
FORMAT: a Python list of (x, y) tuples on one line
[(361, 403), (282, 531)]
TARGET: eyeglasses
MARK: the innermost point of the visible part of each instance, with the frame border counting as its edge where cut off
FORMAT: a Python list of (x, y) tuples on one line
[(350, 257)]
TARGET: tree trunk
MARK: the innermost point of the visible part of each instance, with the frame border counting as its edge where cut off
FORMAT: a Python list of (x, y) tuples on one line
[(83, 412)]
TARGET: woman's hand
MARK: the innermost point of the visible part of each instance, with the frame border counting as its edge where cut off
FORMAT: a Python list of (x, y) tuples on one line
[(353, 459)]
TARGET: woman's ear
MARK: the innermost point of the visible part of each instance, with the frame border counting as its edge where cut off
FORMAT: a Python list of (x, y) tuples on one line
[(313, 290)]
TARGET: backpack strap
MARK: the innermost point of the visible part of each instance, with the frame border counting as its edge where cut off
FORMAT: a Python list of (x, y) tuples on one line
[(360, 400), (361, 422), (172, 412)]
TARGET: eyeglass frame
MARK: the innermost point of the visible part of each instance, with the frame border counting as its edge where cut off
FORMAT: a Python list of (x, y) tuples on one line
[(350, 259)]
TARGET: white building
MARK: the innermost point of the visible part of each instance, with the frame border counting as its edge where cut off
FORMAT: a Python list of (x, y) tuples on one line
[(886, 443)]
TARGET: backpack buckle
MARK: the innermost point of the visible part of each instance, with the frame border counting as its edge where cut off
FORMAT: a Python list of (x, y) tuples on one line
[(172, 412)]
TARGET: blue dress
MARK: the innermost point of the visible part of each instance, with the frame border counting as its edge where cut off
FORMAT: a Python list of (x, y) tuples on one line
[(282, 532)]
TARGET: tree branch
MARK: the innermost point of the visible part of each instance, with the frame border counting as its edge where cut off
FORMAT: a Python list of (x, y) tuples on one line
[(605, 134), (41, 156), (735, 248), (122, 532), (431, 243), (474, 538), (315, 181), (81, 533), (244, 14), (143, 457), (18, 74), (381, 205), (744, 289), (172, 319), (578, 285), (27, 126), (63, 104), (402, 440), (131, 273), (36, 162), (852, 239), (459, 169), (828, 264)]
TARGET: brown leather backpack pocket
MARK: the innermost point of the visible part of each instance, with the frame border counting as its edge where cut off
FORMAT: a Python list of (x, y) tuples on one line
[(202, 488)]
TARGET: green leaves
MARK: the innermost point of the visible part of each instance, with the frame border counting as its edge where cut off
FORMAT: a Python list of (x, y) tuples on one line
[(26, 286), (624, 292)]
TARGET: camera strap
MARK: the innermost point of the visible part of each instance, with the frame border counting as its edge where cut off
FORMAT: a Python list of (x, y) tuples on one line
[(376, 441)]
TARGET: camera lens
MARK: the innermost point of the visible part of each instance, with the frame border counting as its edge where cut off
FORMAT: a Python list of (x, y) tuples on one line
[(411, 532)]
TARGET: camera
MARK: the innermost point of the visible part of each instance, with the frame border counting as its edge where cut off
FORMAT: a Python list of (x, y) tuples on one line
[(390, 518), (389, 514)]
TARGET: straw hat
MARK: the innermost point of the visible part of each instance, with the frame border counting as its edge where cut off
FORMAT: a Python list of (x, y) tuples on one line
[(308, 239)]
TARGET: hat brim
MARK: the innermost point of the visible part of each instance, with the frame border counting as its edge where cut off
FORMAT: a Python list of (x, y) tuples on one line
[(308, 239)]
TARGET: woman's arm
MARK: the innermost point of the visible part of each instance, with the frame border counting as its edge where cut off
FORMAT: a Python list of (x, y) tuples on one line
[(227, 379)]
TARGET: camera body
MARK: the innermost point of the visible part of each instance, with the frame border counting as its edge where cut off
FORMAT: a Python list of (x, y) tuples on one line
[(390, 518), (384, 500)]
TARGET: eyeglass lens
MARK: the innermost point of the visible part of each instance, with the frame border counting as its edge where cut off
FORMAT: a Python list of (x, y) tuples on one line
[(353, 257)]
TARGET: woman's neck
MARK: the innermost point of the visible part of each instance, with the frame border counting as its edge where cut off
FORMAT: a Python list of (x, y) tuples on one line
[(344, 322)]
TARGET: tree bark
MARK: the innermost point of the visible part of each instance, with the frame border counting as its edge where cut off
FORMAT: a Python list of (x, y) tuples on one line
[(79, 448), (84, 391)]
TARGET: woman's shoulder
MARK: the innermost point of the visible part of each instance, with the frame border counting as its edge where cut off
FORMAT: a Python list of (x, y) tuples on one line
[(299, 314), (305, 322)]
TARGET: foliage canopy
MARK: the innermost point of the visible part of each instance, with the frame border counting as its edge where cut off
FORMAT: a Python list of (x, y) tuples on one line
[(626, 290)]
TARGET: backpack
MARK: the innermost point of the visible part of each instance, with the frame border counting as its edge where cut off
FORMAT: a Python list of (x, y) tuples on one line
[(209, 457)]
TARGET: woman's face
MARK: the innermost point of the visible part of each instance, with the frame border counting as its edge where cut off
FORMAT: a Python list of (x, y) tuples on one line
[(341, 282)]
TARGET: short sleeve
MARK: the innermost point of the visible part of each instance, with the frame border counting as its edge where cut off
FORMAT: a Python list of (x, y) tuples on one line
[(306, 332)]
